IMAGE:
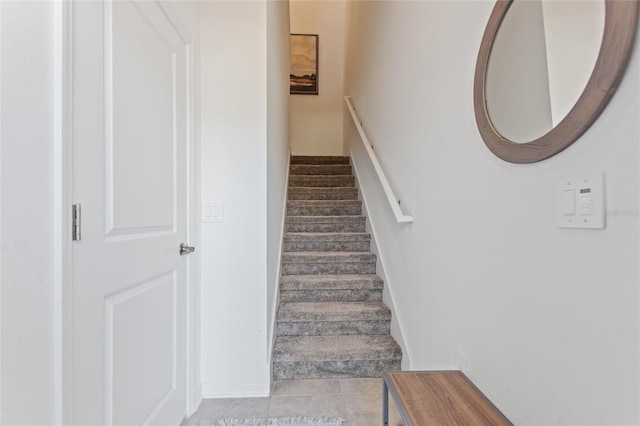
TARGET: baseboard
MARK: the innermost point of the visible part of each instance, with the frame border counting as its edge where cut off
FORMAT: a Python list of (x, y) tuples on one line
[(276, 299), (196, 400), (381, 270), (235, 390)]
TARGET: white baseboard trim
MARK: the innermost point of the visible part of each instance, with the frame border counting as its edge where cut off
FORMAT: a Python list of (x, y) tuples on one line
[(235, 390), (196, 400), (276, 299), (406, 363)]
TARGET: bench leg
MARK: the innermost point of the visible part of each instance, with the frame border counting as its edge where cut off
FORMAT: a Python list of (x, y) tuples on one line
[(385, 403)]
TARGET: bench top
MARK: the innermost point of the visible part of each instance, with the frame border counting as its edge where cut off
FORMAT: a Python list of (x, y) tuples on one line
[(441, 398)]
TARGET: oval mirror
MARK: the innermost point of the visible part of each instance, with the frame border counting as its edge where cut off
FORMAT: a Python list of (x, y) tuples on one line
[(546, 69)]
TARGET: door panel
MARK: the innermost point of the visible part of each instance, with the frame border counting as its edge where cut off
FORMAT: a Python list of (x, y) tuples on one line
[(130, 169), (141, 353), (141, 130)]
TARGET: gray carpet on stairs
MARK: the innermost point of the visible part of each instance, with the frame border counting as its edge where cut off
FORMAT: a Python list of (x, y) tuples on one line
[(331, 322), (282, 421)]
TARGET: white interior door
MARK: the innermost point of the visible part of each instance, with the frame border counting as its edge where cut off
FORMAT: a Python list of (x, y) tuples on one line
[(129, 129)]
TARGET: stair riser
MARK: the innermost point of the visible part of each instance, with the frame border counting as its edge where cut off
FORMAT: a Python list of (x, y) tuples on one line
[(329, 268), (333, 369), (321, 181), (359, 226), (356, 295), (332, 328), (348, 210), (310, 246), (337, 169), (323, 194), (318, 160)]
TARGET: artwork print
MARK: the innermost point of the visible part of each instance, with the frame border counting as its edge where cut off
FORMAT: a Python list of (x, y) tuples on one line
[(303, 78)]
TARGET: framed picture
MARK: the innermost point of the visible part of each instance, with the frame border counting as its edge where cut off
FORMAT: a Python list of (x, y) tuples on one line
[(303, 77)]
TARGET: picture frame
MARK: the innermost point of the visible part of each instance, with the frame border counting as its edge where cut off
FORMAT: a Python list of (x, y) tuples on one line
[(303, 76)]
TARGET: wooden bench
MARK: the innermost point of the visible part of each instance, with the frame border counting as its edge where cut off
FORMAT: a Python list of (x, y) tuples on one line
[(447, 398)]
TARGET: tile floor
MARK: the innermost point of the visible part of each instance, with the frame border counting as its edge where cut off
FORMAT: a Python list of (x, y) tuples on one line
[(359, 401)]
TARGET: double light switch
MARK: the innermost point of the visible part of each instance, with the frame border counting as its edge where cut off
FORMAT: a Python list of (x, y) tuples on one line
[(212, 211)]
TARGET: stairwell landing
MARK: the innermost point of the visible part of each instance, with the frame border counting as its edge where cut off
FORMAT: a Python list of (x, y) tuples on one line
[(331, 322)]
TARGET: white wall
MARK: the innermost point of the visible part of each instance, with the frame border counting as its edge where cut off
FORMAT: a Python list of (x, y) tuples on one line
[(316, 121), (547, 318), (234, 170), (278, 58), (27, 191)]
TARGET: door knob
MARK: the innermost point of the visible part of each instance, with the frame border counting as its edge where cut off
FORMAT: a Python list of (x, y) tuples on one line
[(185, 249)]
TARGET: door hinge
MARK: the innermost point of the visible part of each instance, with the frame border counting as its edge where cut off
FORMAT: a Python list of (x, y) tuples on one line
[(76, 224)]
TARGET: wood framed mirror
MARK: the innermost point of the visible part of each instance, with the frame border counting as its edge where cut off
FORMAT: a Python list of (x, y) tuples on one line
[(620, 22)]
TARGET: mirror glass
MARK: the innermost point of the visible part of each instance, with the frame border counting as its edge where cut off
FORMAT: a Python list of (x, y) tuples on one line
[(540, 62)]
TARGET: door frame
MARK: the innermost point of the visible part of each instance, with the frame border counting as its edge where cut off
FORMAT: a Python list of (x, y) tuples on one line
[(63, 184)]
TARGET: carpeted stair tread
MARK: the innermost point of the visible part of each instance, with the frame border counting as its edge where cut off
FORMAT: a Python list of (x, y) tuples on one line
[(333, 318), (332, 224), (316, 263), (320, 169), (333, 311), (324, 219), (336, 348), (311, 193), (323, 203), (324, 208), (316, 159), (328, 257), (338, 369), (326, 241), (326, 227), (275, 421), (334, 328), (331, 288), (327, 236), (331, 282), (331, 181), (339, 295)]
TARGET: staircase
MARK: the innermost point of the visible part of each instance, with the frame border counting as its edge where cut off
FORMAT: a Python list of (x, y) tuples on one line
[(331, 322)]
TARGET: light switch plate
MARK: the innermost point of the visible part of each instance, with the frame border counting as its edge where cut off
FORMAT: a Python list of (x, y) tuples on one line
[(212, 211), (580, 201)]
